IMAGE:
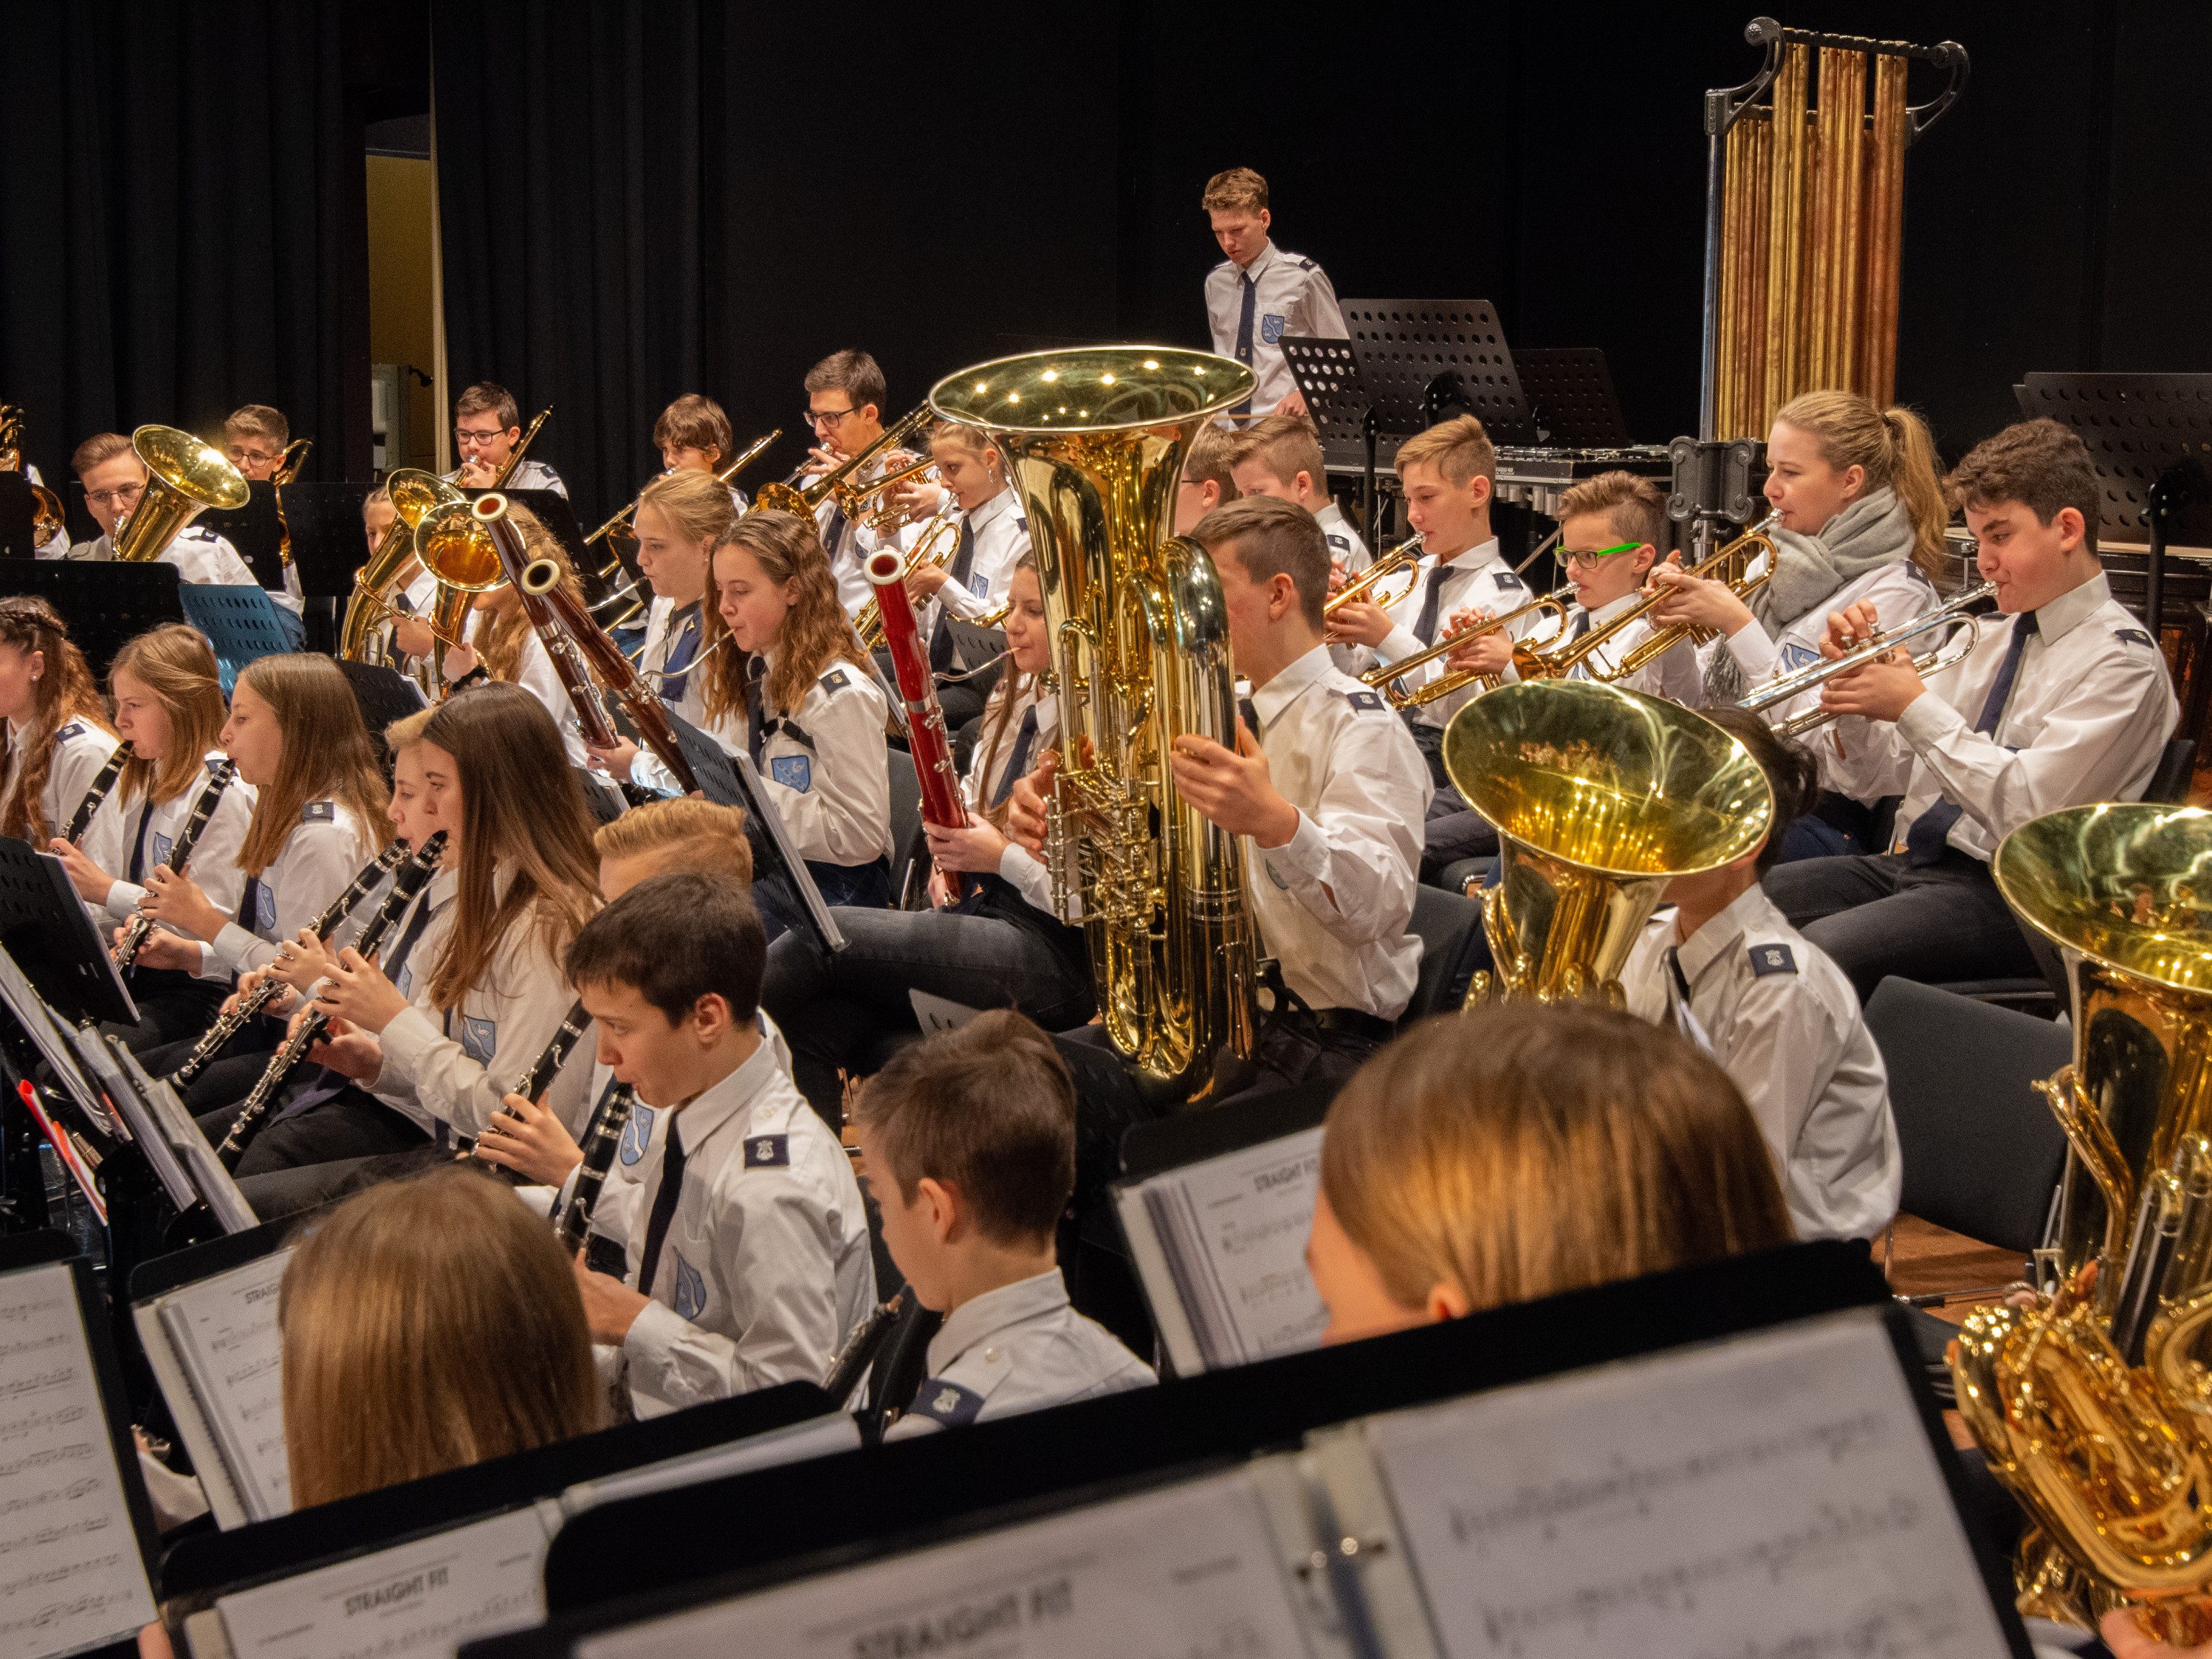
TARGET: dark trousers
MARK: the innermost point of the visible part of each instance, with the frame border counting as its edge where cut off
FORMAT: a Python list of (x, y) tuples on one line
[(1878, 916), (1430, 740), (868, 886), (847, 1012), (351, 1124), (173, 1007)]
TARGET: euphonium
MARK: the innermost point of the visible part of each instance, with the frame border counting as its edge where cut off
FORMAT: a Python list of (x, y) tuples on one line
[(48, 516), (1405, 557), (184, 479), (1094, 440), (1601, 796), (2094, 1406), (375, 586)]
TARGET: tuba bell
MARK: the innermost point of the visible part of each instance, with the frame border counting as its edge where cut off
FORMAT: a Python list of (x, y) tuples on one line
[(184, 479), (2094, 1406), (1093, 440), (1600, 796)]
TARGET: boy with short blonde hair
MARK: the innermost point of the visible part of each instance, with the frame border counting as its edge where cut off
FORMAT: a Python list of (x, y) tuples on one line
[(1206, 482), (1613, 530), (1279, 455), (255, 437), (1259, 292)]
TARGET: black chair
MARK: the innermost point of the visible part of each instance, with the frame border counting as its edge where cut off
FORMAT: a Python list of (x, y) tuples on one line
[(385, 695), (906, 844), (1982, 1151), (2177, 767), (1450, 928)]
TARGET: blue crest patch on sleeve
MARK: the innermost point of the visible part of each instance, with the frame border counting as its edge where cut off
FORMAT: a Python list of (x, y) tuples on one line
[(691, 1288), (1772, 959), (479, 1038), (265, 907), (792, 772), (1364, 702), (769, 1152), (833, 680), (158, 848), (2134, 636), (947, 1402), (319, 812), (636, 1135), (1796, 656), (980, 586), (1271, 328)]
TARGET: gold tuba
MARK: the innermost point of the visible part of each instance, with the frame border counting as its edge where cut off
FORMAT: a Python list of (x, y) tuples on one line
[(1601, 796), (414, 493), (1094, 440), (2094, 1406), (184, 479)]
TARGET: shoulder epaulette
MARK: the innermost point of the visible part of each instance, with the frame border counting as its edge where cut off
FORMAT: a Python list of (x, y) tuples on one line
[(833, 680), (1772, 959), (2134, 636), (769, 1152), (319, 812)]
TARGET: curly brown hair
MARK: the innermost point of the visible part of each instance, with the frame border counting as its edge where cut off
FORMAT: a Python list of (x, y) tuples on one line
[(64, 692), (815, 634)]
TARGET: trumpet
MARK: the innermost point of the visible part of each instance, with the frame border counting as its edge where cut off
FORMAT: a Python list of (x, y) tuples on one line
[(1387, 676), (1728, 562), (750, 454), (1788, 686), (934, 549), (836, 483), (1406, 556)]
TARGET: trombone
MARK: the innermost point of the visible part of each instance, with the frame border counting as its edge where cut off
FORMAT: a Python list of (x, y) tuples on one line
[(836, 484), (1406, 556), (868, 621), (514, 459), (1387, 676), (1953, 651), (621, 519)]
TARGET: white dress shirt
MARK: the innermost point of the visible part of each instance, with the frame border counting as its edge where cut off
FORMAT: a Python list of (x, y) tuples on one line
[(530, 475), (827, 767), (324, 851), (1346, 544), (2088, 717), (662, 637), (1898, 591), (455, 1066), (80, 750), (201, 557), (1002, 539), (1675, 676), (1018, 1348), (534, 674), (1335, 902), (1786, 1026), (115, 830), (1291, 295), (764, 1269), (1478, 578)]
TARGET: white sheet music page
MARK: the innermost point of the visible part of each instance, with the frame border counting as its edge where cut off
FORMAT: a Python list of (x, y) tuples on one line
[(1772, 1495), (1236, 1226), (423, 1599), (1189, 1571), (70, 1574), (224, 1330)]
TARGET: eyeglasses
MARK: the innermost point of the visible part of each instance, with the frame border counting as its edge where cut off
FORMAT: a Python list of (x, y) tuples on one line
[(465, 436), (828, 416), (1588, 561), (239, 456), (120, 497)]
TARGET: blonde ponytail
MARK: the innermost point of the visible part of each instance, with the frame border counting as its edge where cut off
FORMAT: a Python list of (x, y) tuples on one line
[(1895, 447)]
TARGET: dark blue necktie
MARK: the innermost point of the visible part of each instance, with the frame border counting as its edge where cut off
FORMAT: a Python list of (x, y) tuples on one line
[(1931, 832), (1018, 763), (964, 566), (663, 1207), (138, 876), (834, 532), (1432, 596), (413, 931), (1581, 670), (755, 721), (685, 625), (249, 904), (1244, 333)]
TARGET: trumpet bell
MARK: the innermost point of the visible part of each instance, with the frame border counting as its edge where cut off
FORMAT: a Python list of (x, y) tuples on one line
[(185, 477), (458, 550), (1600, 796)]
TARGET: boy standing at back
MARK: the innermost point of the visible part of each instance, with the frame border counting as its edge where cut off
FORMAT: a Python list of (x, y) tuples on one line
[(1259, 292)]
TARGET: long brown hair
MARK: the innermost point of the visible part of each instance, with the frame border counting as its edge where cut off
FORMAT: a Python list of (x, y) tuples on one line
[(815, 634), (327, 756), (522, 809), (998, 713), (502, 636), (177, 665), (428, 1324), (1895, 447), (64, 692), (1524, 1150)]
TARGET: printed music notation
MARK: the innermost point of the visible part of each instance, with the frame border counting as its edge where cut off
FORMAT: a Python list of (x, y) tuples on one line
[(421, 1600), (1188, 1572), (70, 1573), (223, 1330), (1774, 1495)]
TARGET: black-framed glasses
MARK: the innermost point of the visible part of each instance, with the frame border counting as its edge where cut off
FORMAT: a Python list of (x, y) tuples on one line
[(828, 417)]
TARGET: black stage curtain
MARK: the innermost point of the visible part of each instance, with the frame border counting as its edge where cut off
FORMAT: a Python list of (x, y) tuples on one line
[(174, 180), (639, 202)]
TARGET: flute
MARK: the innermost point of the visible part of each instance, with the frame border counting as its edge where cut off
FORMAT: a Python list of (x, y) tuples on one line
[(252, 1002)]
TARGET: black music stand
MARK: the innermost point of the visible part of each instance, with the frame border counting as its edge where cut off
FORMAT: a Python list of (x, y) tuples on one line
[(729, 780), (1426, 361), (328, 543), (18, 507), (2150, 438), (1571, 402), (1326, 374), (240, 624), (553, 510), (104, 603), (45, 928), (254, 530)]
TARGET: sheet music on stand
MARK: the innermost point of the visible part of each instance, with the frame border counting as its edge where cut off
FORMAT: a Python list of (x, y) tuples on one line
[(77, 1533), (1779, 1492), (1219, 1247), (730, 780), (207, 1319), (54, 940), (241, 624), (181, 1158)]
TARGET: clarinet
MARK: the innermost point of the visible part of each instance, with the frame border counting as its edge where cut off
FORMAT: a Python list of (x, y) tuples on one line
[(601, 1138), (413, 876), (219, 777), (102, 784), (861, 1348), (230, 1024), (544, 1069)]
